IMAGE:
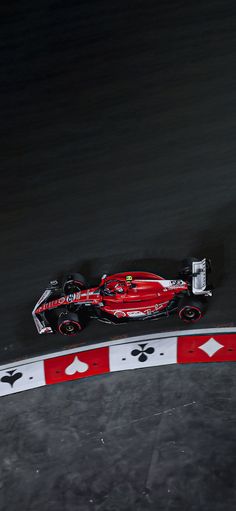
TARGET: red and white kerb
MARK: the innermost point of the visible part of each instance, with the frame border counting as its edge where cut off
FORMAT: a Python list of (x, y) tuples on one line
[(210, 345)]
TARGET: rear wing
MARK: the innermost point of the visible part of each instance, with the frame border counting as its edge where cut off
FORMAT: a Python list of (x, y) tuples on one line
[(199, 278)]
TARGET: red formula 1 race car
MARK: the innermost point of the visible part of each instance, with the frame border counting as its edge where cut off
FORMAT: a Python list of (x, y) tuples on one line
[(66, 307)]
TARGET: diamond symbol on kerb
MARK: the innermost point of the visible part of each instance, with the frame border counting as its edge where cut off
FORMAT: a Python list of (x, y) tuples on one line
[(211, 347)]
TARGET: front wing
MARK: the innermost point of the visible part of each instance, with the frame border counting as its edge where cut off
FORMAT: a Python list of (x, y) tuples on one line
[(41, 324)]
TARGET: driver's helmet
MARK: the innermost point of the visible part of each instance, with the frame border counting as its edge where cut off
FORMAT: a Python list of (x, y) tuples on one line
[(112, 288), (119, 287)]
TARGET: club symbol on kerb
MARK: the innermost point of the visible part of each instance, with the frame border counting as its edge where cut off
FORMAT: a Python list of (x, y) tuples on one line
[(143, 352), (11, 377)]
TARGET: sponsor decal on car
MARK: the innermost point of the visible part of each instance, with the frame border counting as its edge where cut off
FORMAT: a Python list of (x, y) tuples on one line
[(119, 314), (177, 283), (134, 314), (70, 297), (61, 300), (159, 305)]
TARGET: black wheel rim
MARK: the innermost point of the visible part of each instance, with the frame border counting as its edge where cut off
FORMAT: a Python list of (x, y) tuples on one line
[(69, 328), (191, 314)]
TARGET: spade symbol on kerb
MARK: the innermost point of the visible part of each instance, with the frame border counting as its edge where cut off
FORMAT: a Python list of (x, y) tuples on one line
[(77, 366), (11, 378)]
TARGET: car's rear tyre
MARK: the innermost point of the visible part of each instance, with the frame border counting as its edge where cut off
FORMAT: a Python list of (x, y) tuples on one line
[(73, 283), (69, 324), (191, 310)]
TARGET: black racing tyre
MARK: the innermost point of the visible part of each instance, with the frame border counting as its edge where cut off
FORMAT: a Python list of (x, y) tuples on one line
[(191, 309), (69, 324), (73, 283)]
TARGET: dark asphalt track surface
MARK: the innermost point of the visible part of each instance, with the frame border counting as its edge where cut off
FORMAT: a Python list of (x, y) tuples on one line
[(117, 152)]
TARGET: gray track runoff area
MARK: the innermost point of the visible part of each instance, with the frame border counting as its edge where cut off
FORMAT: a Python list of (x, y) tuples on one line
[(118, 152)]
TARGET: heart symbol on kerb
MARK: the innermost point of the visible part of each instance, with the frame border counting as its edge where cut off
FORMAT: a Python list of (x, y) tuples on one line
[(76, 367)]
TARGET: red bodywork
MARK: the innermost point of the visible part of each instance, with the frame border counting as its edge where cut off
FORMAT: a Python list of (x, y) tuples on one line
[(132, 295)]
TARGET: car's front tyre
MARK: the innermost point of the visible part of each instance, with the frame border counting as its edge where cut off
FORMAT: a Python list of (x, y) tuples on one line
[(69, 324), (73, 283)]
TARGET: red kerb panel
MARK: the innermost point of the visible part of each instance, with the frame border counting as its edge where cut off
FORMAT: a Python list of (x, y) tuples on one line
[(206, 348), (77, 365)]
